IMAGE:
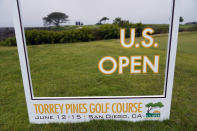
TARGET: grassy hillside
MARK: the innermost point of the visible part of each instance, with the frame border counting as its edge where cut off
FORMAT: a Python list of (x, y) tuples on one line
[(58, 68)]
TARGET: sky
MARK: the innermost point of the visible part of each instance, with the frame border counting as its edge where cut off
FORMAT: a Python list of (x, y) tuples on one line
[(91, 11)]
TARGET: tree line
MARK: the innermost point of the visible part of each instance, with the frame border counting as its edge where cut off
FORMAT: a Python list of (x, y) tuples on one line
[(58, 18), (71, 34)]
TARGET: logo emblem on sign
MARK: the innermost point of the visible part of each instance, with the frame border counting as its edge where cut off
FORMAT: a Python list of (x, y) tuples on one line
[(151, 107)]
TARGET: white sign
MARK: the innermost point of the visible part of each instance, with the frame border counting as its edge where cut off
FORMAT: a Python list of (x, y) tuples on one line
[(83, 109)]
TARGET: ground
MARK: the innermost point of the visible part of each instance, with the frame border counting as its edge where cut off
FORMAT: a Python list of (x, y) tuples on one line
[(53, 59)]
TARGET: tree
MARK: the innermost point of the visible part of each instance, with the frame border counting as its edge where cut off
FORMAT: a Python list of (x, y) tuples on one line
[(104, 19), (181, 19), (152, 106), (55, 18), (117, 20), (122, 23)]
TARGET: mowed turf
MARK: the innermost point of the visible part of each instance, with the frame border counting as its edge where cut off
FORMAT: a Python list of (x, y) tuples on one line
[(71, 70)]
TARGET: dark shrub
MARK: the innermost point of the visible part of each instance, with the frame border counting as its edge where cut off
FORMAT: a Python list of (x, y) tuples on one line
[(9, 42), (109, 31), (87, 33)]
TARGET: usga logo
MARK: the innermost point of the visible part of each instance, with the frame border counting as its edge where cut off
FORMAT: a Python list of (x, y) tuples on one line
[(151, 108)]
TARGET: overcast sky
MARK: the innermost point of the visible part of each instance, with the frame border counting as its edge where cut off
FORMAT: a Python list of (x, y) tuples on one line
[(90, 11)]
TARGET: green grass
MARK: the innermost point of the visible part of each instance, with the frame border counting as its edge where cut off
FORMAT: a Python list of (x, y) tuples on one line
[(72, 70), (58, 70), (192, 27)]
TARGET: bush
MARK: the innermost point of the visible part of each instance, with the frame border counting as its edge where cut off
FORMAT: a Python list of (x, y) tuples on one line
[(108, 32), (86, 33), (9, 42), (139, 28)]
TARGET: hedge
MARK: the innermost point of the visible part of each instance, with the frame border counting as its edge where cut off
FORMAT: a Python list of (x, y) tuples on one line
[(81, 34)]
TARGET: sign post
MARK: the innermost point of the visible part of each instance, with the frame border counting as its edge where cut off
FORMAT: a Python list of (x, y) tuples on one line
[(83, 109)]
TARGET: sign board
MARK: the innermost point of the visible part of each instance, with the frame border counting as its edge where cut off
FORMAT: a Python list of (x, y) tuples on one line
[(83, 109)]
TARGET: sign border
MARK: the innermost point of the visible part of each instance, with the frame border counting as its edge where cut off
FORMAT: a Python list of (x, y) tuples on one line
[(25, 68)]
